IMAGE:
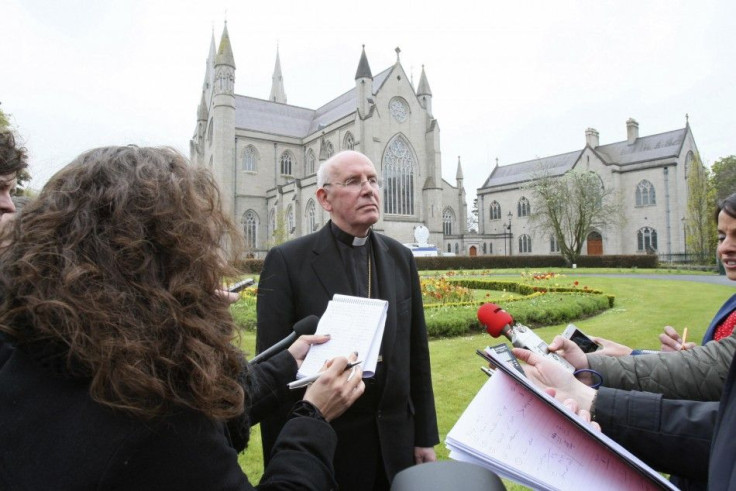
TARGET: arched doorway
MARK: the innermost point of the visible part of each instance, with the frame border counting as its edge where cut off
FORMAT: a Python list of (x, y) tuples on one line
[(595, 244), (473, 251)]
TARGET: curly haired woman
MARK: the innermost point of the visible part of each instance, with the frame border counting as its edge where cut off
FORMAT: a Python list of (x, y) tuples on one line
[(124, 373)]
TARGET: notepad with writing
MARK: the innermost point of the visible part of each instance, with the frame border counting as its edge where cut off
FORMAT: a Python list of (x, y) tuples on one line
[(523, 434), (354, 324)]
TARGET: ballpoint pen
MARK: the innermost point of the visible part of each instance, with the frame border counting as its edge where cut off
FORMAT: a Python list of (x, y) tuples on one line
[(303, 382)]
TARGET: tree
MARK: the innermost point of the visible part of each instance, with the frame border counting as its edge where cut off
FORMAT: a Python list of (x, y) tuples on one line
[(700, 228), (571, 206), (724, 176), (473, 217), (280, 234)]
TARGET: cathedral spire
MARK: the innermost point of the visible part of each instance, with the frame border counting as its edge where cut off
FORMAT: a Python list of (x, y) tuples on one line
[(459, 173), (225, 52), (278, 94), (364, 69), (424, 93)]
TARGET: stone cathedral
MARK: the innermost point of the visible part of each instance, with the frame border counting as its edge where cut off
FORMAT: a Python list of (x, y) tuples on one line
[(264, 153)]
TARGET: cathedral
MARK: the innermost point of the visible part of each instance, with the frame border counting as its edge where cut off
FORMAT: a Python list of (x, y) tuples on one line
[(649, 173), (264, 153)]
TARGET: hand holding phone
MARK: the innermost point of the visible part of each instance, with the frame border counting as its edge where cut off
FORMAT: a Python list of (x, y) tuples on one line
[(578, 337)]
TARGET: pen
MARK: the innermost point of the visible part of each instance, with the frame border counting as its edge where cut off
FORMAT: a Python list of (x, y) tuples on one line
[(303, 382), (684, 338)]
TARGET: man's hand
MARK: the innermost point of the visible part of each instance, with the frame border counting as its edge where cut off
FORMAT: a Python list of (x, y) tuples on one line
[(424, 454)]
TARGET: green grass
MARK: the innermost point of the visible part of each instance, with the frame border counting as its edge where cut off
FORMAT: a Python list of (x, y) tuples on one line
[(642, 308)]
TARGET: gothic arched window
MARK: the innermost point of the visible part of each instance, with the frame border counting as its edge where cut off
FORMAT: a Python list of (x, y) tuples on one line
[(311, 216), (554, 245), (495, 211), (523, 208), (448, 219), (525, 244), (287, 163), (646, 240), (311, 160), (250, 229), (348, 142), (645, 194), (398, 177), (249, 158)]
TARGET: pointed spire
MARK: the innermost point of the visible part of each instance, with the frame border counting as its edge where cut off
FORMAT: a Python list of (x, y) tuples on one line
[(423, 88), (364, 69), (213, 52), (278, 94), (225, 52), (202, 109), (459, 174)]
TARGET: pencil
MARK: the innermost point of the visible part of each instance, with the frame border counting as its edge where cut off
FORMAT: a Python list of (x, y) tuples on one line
[(684, 338)]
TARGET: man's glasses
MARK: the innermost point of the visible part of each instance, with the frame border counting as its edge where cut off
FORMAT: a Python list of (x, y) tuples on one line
[(355, 184)]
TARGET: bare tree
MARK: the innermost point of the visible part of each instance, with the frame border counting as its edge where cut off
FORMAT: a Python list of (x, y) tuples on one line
[(571, 206)]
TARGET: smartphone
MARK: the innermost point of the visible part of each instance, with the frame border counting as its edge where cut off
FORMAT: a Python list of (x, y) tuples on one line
[(241, 285), (578, 337)]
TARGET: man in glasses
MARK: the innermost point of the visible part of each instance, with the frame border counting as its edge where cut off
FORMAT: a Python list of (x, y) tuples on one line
[(393, 425)]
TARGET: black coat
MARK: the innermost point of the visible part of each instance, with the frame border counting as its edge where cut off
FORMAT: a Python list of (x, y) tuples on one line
[(299, 278), (54, 436)]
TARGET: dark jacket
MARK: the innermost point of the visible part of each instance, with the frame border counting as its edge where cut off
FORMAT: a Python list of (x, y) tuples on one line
[(696, 374), (54, 436), (298, 279)]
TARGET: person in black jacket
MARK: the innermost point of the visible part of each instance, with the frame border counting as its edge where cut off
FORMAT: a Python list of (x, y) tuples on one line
[(124, 373)]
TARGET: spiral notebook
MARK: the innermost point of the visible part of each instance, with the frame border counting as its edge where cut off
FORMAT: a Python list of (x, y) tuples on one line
[(354, 324)]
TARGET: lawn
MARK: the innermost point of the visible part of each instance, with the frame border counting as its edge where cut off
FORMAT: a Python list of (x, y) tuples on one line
[(642, 308)]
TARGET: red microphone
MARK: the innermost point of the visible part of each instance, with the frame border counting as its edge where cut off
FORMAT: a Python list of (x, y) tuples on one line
[(498, 321)]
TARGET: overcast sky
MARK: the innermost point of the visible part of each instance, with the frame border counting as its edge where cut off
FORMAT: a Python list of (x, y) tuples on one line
[(510, 80)]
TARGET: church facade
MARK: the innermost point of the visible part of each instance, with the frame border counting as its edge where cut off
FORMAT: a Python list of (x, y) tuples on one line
[(264, 153), (648, 172)]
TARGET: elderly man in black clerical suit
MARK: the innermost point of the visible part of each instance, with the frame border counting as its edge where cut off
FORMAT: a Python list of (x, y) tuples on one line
[(393, 425)]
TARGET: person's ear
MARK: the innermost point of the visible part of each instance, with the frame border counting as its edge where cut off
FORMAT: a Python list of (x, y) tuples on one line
[(324, 200)]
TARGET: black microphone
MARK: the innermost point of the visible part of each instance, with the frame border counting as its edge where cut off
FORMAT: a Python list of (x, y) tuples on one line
[(308, 325)]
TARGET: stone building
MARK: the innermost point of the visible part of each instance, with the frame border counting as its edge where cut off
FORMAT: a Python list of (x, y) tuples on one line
[(649, 172), (264, 153)]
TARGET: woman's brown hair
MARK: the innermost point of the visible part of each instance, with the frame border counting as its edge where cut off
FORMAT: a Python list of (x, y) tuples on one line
[(115, 266)]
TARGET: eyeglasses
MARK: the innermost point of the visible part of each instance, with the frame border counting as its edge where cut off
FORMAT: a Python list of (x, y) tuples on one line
[(355, 184)]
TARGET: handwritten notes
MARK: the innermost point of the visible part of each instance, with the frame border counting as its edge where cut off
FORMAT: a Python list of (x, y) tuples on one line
[(509, 429), (354, 324)]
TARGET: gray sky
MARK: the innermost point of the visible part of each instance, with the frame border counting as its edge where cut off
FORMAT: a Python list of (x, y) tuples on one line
[(511, 80)]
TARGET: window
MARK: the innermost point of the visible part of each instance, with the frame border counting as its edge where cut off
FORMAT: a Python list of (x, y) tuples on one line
[(250, 229), (646, 240), (495, 211), (485, 248), (457, 248), (522, 207), (554, 245), (287, 162), (249, 158), (645, 194), (311, 215), (290, 220), (448, 219), (311, 161), (525, 244), (349, 142), (398, 177), (490, 246), (329, 149), (449, 247)]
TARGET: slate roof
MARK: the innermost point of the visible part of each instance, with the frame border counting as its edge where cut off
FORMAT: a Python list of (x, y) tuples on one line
[(293, 121), (644, 149)]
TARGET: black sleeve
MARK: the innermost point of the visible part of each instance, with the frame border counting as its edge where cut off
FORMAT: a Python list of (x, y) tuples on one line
[(671, 436)]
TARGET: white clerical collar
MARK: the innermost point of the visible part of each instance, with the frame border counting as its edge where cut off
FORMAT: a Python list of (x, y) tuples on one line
[(359, 241)]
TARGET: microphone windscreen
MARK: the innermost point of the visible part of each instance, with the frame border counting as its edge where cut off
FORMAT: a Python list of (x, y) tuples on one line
[(307, 325), (494, 318)]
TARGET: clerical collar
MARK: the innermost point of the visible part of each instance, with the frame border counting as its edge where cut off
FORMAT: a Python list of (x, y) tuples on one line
[(346, 238)]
